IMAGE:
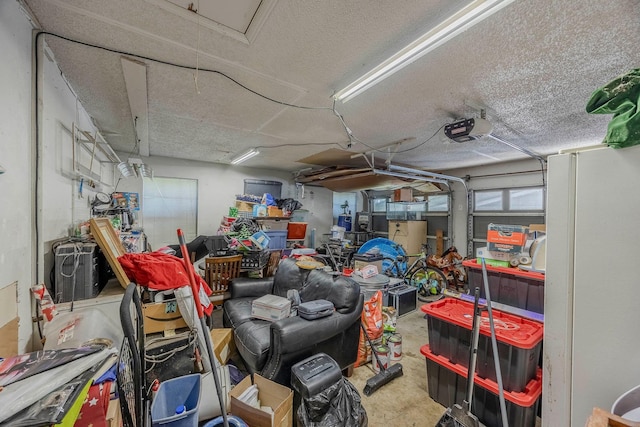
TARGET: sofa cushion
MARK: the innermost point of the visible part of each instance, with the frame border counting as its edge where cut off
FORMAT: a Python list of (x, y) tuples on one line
[(288, 276), (342, 291), (253, 339), (237, 311)]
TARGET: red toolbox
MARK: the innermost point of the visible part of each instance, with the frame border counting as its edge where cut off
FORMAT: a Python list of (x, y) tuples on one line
[(449, 323), (447, 385), (508, 285)]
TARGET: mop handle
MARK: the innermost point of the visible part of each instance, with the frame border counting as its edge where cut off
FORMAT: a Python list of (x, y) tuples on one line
[(188, 267), (473, 354), (494, 345), (205, 331)]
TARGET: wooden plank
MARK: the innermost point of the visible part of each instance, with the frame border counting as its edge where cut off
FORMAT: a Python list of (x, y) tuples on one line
[(111, 246), (9, 338), (601, 418)]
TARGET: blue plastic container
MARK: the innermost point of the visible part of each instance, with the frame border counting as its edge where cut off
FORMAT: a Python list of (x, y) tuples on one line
[(232, 419), (344, 221), (173, 394), (278, 239)]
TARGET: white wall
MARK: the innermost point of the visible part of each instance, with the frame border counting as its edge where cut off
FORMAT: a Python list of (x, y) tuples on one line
[(218, 185), (16, 156)]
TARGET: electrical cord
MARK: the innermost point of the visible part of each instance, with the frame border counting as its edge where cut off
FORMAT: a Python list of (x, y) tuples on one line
[(347, 130), (186, 67), (160, 358)]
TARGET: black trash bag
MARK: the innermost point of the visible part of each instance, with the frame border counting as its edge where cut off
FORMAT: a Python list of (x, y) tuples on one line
[(288, 204), (338, 405)]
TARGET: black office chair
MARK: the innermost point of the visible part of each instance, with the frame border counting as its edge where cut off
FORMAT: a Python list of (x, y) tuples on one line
[(132, 391)]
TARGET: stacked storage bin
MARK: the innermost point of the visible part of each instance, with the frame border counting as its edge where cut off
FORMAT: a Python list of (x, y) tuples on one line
[(510, 286), (449, 323)]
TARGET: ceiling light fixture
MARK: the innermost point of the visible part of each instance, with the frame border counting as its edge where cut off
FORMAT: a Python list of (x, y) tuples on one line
[(125, 169), (135, 167), (460, 21), (246, 156)]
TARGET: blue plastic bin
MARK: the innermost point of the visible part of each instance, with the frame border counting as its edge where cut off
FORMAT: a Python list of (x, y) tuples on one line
[(173, 394), (232, 419), (278, 239)]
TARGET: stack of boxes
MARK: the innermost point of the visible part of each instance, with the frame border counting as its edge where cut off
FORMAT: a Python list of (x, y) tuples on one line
[(519, 339)]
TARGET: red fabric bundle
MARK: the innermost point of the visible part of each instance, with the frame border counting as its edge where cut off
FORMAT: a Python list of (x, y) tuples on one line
[(160, 272)]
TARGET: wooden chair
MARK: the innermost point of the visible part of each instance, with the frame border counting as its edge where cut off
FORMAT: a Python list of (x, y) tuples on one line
[(219, 271)]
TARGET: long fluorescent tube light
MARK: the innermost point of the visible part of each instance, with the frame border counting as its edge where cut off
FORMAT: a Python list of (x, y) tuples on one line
[(246, 156), (460, 21)]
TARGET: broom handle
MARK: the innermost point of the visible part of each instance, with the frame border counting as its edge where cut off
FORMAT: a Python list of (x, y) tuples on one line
[(494, 344), (375, 353), (205, 331), (473, 354)]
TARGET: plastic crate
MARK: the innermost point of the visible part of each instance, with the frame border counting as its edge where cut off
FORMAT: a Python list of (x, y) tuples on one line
[(511, 286), (254, 260), (217, 246), (172, 394), (297, 230), (449, 323), (278, 239), (447, 385)]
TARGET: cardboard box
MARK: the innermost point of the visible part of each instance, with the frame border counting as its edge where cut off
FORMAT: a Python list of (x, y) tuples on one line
[(403, 195), (506, 238), (274, 211), (162, 317), (270, 307), (274, 395), (114, 416), (360, 261), (223, 344)]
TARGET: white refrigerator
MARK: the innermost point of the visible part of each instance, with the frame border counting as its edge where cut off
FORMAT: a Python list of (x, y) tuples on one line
[(591, 350)]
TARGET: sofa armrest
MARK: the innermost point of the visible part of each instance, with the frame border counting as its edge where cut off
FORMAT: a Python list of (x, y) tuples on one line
[(295, 333), (246, 287)]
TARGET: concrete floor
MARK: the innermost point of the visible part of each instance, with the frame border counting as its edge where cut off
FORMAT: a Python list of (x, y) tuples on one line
[(404, 401)]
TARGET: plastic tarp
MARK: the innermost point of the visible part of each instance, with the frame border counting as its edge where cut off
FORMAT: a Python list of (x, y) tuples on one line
[(209, 408)]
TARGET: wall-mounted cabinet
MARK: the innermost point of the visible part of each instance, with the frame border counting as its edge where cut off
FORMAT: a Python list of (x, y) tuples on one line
[(407, 211)]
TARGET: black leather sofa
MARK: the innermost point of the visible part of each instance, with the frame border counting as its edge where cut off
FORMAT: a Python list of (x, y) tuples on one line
[(271, 348)]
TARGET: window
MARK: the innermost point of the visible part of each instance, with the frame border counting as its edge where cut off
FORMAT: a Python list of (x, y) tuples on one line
[(379, 204), (511, 206), (169, 204), (438, 203), (509, 200), (343, 204), (488, 200), (526, 199)]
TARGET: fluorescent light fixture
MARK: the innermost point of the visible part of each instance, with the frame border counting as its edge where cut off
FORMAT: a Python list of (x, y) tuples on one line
[(145, 171), (125, 169), (460, 21), (246, 156)]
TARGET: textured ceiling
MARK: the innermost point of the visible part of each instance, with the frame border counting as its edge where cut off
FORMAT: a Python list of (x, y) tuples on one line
[(532, 66)]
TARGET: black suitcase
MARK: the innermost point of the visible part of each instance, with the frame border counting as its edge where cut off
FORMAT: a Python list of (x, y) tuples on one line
[(316, 309)]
